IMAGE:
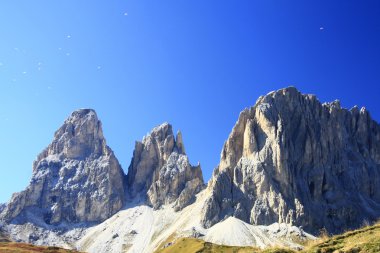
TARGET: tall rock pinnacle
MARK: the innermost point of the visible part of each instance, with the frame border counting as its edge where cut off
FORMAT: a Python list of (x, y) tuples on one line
[(160, 170), (292, 159), (76, 178)]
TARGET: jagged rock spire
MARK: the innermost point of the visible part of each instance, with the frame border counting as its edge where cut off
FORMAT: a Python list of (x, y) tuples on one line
[(161, 170), (180, 145), (76, 178)]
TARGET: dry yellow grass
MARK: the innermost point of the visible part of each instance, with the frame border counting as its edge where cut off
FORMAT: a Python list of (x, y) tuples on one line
[(13, 247), (364, 240), (192, 245)]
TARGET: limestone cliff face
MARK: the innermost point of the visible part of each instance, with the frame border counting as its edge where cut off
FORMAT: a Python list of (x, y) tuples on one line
[(76, 178), (161, 171), (292, 159)]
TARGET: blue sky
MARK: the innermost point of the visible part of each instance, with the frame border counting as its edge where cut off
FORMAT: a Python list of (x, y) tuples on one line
[(195, 64)]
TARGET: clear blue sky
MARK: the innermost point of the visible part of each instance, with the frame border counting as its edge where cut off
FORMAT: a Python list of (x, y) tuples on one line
[(195, 64)]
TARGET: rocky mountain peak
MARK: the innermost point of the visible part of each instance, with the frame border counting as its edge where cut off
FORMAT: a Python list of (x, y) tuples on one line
[(160, 169), (76, 178), (180, 146), (292, 159), (163, 135), (160, 132), (79, 137), (149, 155)]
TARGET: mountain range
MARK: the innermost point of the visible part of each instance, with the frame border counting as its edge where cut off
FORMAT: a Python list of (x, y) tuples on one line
[(290, 167)]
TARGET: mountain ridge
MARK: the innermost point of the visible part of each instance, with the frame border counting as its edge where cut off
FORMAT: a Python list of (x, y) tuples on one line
[(289, 160), (161, 168), (282, 159), (77, 178)]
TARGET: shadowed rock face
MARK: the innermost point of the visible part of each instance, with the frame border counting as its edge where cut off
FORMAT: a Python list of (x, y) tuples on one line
[(76, 178), (3, 236), (292, 159), (160, 170)]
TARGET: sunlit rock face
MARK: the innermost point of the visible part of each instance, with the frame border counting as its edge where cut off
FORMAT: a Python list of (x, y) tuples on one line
[(291, 159), (77, 178), (160, 170)]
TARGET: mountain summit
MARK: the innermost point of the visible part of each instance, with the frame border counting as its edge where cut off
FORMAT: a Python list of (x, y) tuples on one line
[(161, 169), (76, 178), (292, 159)]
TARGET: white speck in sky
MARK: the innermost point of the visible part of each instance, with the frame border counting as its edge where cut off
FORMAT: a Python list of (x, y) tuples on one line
[(1, 64), (68, 36), (125, 13), (99, 67), (39, 64), (24, 72), (49, 87), (16, 48), (67, 54), (60, 48), (321, 28)]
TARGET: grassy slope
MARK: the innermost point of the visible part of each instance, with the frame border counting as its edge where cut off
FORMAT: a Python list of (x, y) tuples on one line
[(192, 245), (13, 247), (364, 240)]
